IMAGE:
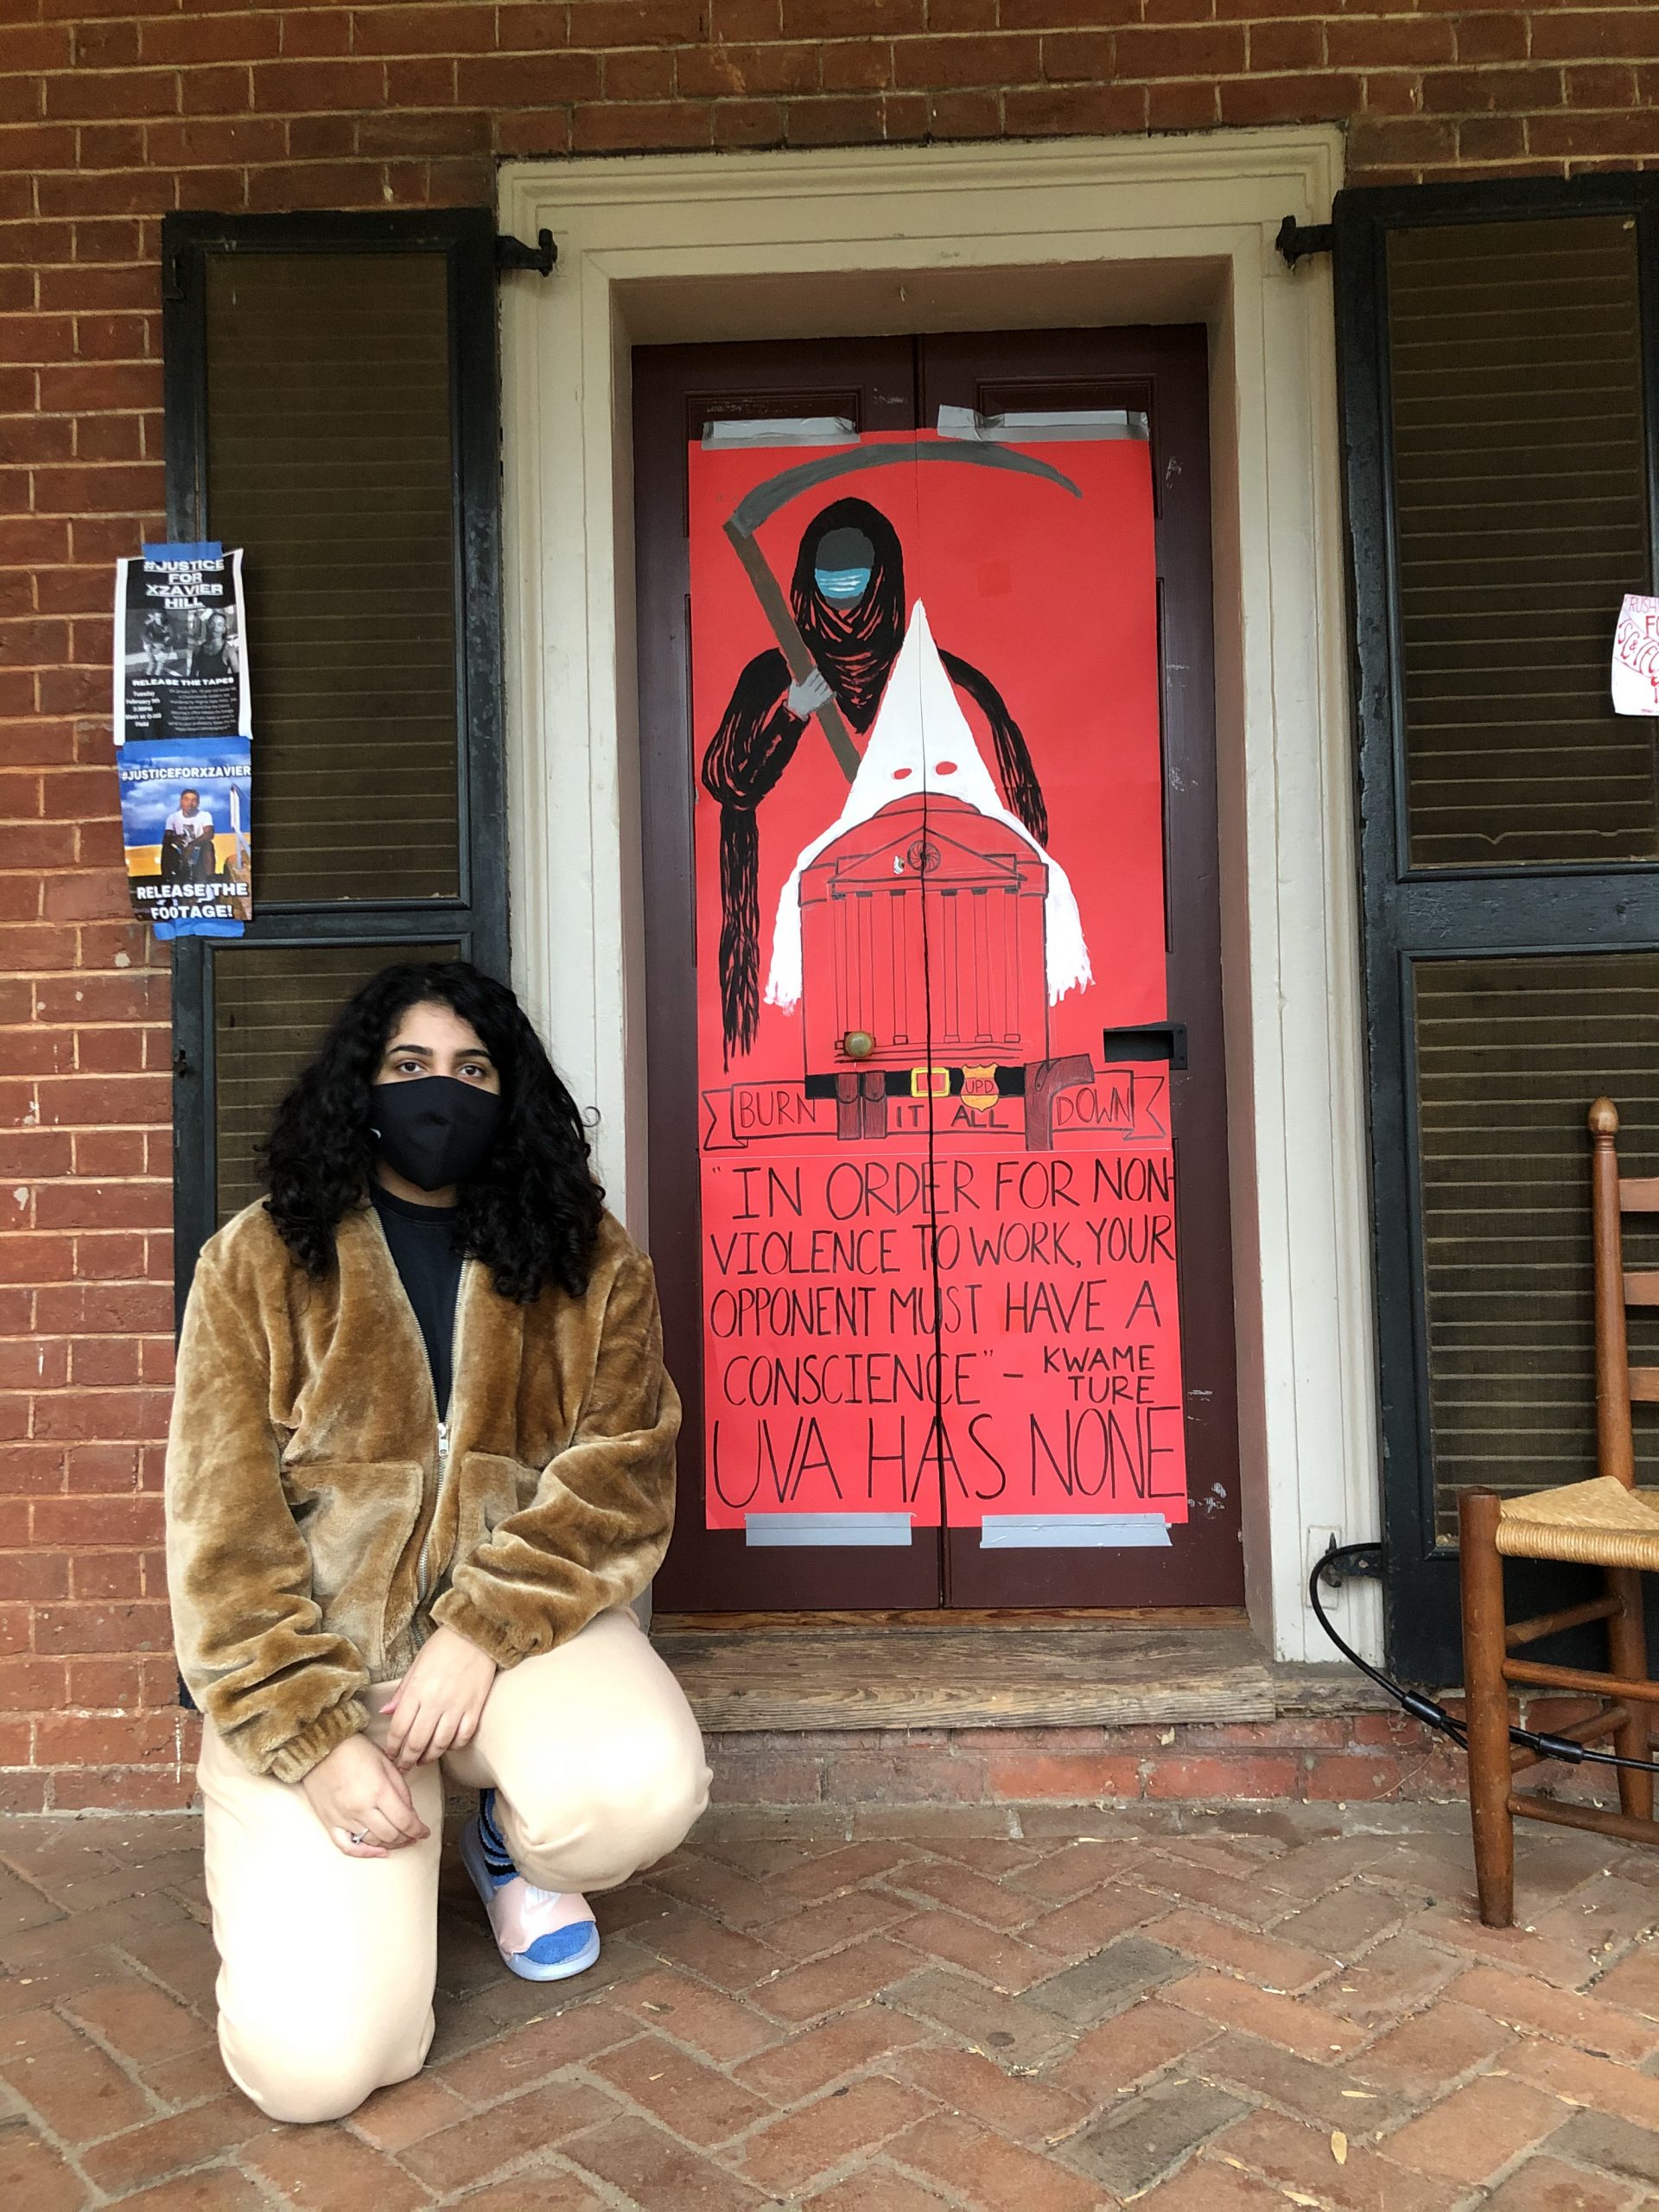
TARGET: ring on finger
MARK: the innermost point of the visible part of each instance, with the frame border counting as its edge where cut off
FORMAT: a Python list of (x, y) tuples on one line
[(358, 1836)]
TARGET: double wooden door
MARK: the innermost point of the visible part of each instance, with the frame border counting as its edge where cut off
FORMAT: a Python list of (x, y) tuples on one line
[(931, 1062)]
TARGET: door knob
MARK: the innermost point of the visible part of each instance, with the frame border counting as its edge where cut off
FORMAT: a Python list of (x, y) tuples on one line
[(858, 1043)]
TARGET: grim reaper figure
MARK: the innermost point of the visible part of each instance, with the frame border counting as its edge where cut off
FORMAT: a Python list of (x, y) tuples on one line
[(847, 598)]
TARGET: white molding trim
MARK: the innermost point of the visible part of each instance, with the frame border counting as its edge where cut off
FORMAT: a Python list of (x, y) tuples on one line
[(687, 248)]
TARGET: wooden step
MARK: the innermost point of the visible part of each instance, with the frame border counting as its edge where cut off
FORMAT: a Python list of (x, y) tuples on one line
[(1070, 1675)]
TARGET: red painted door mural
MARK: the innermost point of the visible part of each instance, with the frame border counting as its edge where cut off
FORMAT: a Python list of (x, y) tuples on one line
[(938, 1212)]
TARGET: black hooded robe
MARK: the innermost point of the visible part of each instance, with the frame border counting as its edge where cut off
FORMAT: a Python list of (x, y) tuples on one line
[(854, 646)]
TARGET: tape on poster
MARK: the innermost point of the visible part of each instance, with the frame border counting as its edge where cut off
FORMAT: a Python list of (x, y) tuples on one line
[(1100, 1532), (788, 1530)]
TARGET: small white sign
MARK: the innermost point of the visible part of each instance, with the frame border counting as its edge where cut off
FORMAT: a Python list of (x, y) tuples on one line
[(1636, 656)]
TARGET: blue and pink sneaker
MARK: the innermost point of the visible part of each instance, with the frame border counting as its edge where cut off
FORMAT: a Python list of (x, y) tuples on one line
[(543, 1934)]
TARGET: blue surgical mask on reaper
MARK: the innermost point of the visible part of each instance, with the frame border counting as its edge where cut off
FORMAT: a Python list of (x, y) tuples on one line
[(842, 569)]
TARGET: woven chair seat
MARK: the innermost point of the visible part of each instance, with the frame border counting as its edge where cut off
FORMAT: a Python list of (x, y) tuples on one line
[(1598, 1523)]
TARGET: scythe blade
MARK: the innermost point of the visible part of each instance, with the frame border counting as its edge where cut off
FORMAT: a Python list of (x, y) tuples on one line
[(759, 505)]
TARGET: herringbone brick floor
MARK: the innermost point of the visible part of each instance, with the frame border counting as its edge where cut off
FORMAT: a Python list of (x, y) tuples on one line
[(1041, 2010)]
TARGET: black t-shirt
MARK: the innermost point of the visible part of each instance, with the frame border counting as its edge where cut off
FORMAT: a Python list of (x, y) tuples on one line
[(422, 1248)]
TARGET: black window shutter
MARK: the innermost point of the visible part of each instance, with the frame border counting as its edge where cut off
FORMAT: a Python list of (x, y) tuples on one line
[(1498, 348), (331, 407)]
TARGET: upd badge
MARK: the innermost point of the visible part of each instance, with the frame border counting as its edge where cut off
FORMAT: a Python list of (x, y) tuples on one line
[(979, 1089)]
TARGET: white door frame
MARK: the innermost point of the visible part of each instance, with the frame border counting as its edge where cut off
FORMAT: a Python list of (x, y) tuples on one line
[(997, 236)]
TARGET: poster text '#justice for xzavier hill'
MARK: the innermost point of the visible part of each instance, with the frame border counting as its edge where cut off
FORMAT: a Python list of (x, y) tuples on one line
[(183, 747)]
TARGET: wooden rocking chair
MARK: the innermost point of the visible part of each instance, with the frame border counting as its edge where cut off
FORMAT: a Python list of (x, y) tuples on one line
[(1606, 1523)]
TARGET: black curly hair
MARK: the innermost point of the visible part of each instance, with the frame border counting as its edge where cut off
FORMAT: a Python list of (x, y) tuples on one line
[(531, 1213)]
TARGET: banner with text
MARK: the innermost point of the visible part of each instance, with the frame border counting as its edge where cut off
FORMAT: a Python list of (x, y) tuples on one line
[(938, 1264)]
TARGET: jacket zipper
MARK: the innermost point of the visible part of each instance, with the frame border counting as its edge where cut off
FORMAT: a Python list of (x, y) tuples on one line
[(422, 1566)]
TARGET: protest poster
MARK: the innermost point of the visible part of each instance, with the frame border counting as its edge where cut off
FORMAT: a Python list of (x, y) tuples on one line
[(185, 809), (181, 666), (183, 751), (939, 1278), (1636, 655)]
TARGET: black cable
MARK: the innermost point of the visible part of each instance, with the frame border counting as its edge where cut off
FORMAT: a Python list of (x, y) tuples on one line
[(1433, 1715)]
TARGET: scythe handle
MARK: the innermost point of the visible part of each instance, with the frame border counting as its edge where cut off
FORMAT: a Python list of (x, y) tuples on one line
[(791, 643)]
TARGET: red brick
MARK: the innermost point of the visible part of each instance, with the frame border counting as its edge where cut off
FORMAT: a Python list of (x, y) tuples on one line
[(1581, 36), (631, 128), (812, 2059), (942, 64), (783, 2158), (1608, 135), (965, 2082), (528, 2054), (1181, 50), (63, 1628), (749, 123), (109, 1682), (182, 2141), (1299, 2161), (74, 1522), (876, 2188), (33, 2176), (393, 2119), (1416, 41), (1421, 2055), (1295, 2024), (1004, 2179), (1247, 100), (647, 74), (425, 30), (32, 1685), (693, 2102), (326, 2167), (649, 2169), (83, 1739), (132, 1789), (1583, 2079), (1280, 46), (296, 87), (1468, 2136), (518, 81), (227, 37), (80, 2093), (964, 115), (1231, 1778), (1067, 1777), (1545, 2184)]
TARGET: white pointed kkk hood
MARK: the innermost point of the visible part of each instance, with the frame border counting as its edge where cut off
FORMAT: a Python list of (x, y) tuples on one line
[(922, 741)]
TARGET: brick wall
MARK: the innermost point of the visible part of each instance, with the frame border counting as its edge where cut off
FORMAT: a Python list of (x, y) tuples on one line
[(111, 113)]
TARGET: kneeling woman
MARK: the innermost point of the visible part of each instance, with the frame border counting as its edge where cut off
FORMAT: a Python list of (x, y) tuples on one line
[(422, 1459)]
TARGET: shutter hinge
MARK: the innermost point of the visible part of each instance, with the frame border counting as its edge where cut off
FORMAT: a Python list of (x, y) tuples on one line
[(513, 253), (173, 285), (1297, 239), (1367, 1562)]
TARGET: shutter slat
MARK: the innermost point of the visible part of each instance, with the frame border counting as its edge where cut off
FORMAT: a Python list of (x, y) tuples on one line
[(329, 460), (1520, 521), (1509, 1052)]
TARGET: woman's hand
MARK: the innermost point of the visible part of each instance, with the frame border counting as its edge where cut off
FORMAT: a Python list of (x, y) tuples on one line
[(440, 1700), (357, 1792)]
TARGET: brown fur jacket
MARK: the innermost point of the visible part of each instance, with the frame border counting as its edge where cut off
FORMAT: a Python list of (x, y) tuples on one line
[(314, 1530)]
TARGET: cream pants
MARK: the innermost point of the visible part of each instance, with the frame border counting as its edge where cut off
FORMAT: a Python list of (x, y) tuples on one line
[(326, 1963)]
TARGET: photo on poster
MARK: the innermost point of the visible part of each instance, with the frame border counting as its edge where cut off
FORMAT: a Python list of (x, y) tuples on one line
[(180, 661), (938, 1270), (186, 824)]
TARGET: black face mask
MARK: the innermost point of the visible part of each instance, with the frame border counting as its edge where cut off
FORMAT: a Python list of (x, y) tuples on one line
[(435, 1130)]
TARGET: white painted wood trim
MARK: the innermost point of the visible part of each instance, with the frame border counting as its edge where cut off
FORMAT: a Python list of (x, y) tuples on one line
[(787, 244)]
